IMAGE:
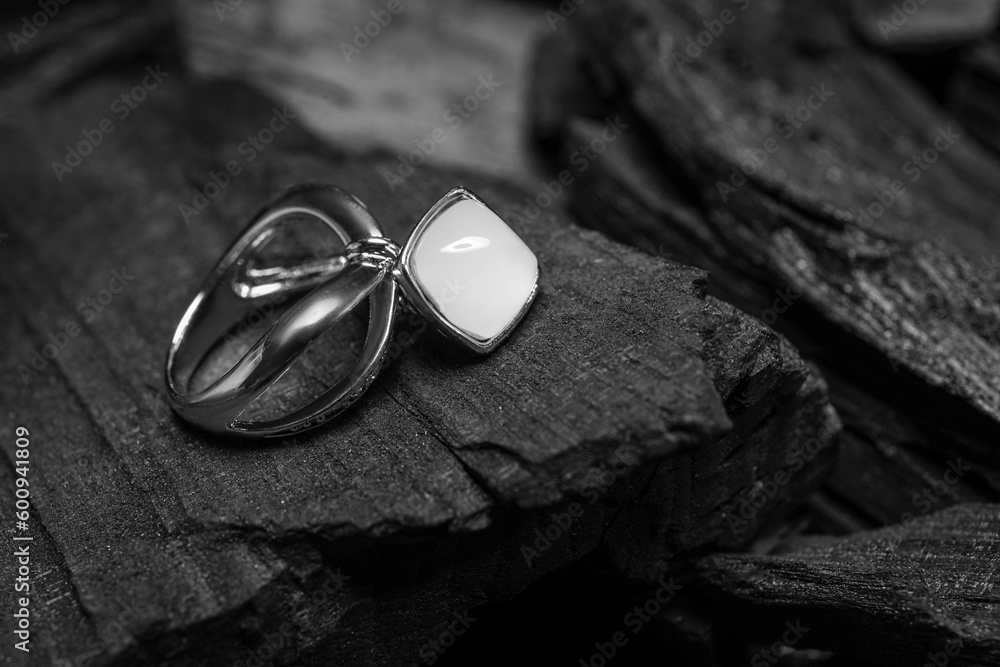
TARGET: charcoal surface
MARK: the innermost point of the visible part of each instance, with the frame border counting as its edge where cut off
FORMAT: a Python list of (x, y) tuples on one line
[(626, 390), (922, 591)]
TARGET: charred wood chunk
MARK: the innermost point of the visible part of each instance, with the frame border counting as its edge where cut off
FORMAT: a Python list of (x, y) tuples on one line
[(831, 176), (922, 591), (453, 482), (715, 169)]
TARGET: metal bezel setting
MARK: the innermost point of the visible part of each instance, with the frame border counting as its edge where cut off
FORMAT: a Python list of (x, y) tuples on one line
[(371, 268), (405, 274)]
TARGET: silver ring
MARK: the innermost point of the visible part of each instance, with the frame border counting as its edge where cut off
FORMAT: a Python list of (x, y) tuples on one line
[(463, 269)]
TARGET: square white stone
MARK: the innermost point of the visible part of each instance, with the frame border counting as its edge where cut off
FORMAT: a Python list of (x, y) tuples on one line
[(469, 271)]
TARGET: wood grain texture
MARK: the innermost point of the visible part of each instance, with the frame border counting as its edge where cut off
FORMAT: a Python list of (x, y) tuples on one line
[(913, 293), (638, 200), (863, 596), (357, 542), (651, 188), (912, 593)]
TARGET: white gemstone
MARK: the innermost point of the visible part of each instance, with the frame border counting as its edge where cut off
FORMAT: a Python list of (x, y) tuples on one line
[(473, 269)]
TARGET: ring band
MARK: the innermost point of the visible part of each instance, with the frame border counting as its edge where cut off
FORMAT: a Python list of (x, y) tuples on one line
[(463, 269)]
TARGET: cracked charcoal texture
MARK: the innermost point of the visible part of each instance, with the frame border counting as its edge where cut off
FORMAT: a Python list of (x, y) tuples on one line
[(787, 230), (358, 543), (866, 302), (911, 292), (162, 544), (883, 440), (890, 596)]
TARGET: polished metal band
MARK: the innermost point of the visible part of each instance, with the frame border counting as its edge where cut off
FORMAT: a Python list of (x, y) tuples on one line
[(460, 247), (234, 290)]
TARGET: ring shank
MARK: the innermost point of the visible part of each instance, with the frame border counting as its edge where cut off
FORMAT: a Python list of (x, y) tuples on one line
[(229, 295)]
